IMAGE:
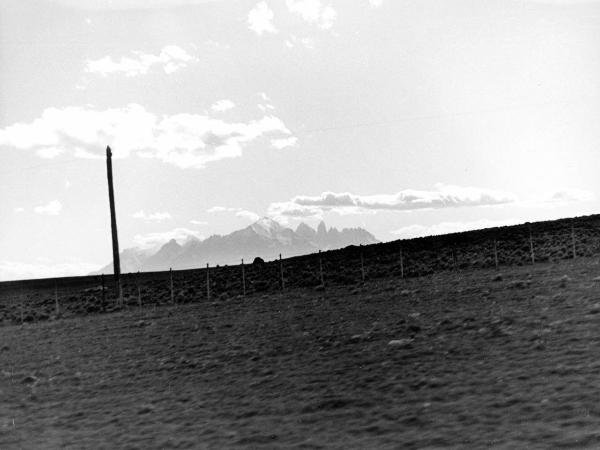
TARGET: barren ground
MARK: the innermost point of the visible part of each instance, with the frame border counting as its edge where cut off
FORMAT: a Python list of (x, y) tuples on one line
[(478, 361)]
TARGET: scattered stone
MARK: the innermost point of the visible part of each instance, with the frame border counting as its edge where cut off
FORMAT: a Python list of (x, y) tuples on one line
[(405, 292), (517, 284), (414, 315), (400, 342), (30, 379), (320, 288), (564, 280), (5, 348), (497, 277), (595, 309)]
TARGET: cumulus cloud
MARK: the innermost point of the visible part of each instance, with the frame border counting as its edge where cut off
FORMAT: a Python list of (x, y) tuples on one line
[(44, 268), (570, 195), (152, 217), (376, 3), (53, 208), (19, 210), (417, 230), (152, 240), (184, 140), (313, 12), (198, 222), (222, 105), (284, 142), (171, 58), (445, 196), (112, 5), (251, 216), (260, 19)]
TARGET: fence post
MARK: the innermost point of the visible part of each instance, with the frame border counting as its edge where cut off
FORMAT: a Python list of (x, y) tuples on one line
[(171, 279), (496, 253), (57, 306), (531, 246), (362, 265), (573, 238), (207, 283), (103, 294), (281, 273), (321, 270), (243, 278), (137, 280), (401, 263)]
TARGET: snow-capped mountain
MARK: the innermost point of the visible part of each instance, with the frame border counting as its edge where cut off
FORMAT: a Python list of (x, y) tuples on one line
[(265, 238)]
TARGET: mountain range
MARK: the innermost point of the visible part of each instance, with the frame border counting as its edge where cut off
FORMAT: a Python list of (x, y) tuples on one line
[(265, 238)]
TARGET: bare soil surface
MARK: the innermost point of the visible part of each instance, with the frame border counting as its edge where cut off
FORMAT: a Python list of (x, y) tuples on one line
[(459, 359)]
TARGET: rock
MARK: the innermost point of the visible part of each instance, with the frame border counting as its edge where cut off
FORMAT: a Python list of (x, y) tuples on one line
[(400, 343), (564, 280), (497, 277), (30, 379), (595, 309), (405, 292), (320, 288)]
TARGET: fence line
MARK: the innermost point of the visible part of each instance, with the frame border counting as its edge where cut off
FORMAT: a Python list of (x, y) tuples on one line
[(62, 299)]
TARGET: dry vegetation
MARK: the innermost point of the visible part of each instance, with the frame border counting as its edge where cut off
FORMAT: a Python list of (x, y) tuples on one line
[(455, 359)]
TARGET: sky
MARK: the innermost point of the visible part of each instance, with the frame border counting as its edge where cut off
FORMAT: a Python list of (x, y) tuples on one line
[(405, 117)]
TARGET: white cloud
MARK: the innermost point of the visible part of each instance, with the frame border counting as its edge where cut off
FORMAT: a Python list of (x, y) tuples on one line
[(222, 105), (312, 11), (416, 230), (53, 208), (151, 240), (376, 3), (67, 184), (284, 142), (171, 58), (260, 19), (111, 5), (19, 210), (571, 195), (220, 209), (198, 222), (153, 217), (251, 216), (444, 196), (16, 270), (184, 140)]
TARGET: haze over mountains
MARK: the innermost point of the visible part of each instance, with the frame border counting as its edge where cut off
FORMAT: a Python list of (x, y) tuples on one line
[(265, 238)]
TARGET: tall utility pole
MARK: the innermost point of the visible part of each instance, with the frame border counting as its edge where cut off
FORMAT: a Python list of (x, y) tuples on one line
[(113, 226)]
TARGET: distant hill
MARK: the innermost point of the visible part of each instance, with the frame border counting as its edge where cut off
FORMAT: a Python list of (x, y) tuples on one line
[(265, 238)]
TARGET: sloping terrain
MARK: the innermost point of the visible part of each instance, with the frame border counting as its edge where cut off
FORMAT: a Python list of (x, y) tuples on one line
[(458, 359)]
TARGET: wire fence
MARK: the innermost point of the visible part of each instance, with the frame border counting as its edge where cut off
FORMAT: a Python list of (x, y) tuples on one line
[(37, 300)]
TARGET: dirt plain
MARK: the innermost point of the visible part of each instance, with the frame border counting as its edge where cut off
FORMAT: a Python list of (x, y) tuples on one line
[(471, 358)]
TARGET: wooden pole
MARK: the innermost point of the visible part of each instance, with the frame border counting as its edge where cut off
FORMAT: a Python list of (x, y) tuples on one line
[(531, 246), (103, 294), (207, 283), (57, 307), (321, 270), (113, 226), (243, 279), (573, 239), (362, 266), (137, 280), (281, 273), (401, 263), (496, 253), (171, 279)]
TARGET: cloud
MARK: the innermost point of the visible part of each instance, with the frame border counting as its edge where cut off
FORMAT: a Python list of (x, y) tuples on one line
[(198, 222), (260, 19), (19, 210), (220, 209), (251, 216), (222, 105), (445, 196), (153, 217), (171, 58), (570, 195), (376, 3), (284, 142), (416, 230), (151, 240), (17, 270), (184, 140), (111, 5), (313, 12), (51, 209)]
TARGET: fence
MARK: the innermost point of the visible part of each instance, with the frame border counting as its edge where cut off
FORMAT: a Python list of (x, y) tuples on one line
[(30, 301)]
